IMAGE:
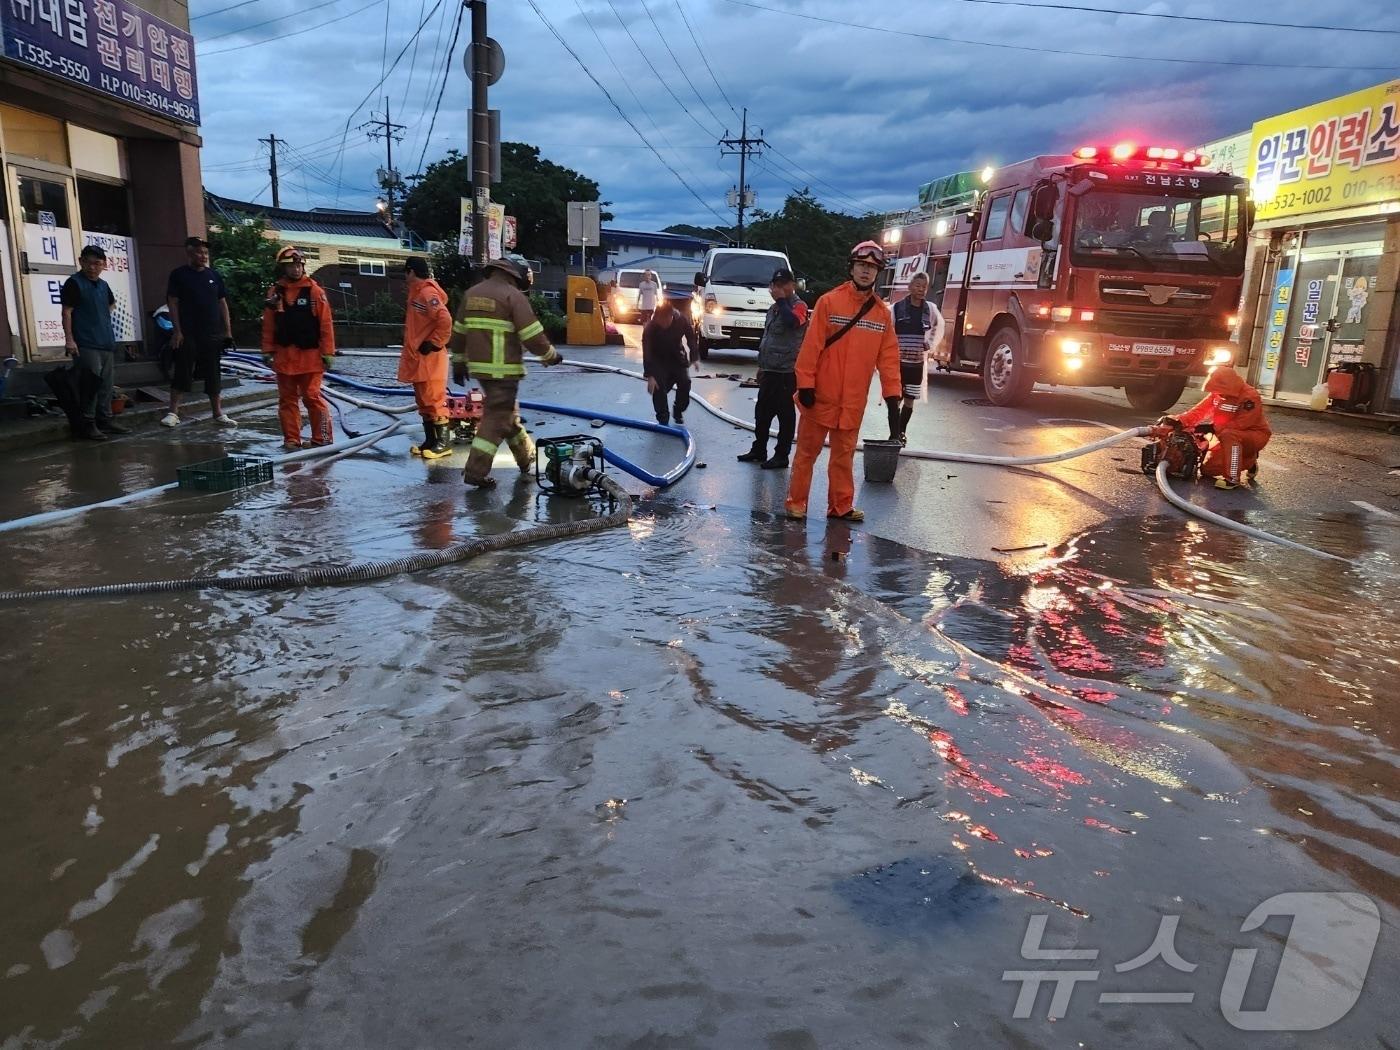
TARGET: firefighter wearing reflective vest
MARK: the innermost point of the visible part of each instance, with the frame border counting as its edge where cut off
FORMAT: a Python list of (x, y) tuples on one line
[(427, 327), (849, 338), (1233, 412), (298, 341), (494, 325)]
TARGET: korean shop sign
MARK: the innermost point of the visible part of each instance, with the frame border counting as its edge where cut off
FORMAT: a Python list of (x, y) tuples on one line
[(111, 46), (1342, 153)]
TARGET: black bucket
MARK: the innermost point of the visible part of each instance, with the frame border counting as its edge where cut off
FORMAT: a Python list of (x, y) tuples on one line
[(881, 460)]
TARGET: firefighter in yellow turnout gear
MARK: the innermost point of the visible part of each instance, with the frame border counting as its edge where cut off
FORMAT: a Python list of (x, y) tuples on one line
[(494, 326)]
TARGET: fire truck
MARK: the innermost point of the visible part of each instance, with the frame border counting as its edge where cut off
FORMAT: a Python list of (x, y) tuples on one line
[(1117, 265)]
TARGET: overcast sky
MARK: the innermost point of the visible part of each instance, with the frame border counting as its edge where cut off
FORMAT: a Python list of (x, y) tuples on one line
[(862, 117)]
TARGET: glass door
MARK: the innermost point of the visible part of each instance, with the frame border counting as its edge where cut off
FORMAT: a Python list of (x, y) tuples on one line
[(1305, 339), (48, 253), (1332, 297)]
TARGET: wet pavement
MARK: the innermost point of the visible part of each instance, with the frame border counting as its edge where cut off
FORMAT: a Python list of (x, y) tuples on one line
[(712, 780)]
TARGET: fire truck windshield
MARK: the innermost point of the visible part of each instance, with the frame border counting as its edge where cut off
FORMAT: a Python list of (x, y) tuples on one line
[(1125, 229)]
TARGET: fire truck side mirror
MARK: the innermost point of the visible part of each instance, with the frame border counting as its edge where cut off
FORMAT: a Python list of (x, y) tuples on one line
[(701, 280), (1043, 230), (1043, 201)]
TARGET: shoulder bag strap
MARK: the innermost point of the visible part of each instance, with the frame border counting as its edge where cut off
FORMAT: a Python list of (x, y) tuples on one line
[(866, 307)]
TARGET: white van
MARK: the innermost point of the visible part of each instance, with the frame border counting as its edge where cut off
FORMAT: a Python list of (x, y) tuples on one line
[(623, 302), (731, 296)]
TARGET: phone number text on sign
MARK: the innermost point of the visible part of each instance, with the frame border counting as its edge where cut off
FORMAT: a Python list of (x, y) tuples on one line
[(111, 46)]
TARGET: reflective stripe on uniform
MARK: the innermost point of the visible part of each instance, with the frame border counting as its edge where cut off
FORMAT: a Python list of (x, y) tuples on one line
[(531, 330), (480, 444), (497, 367)]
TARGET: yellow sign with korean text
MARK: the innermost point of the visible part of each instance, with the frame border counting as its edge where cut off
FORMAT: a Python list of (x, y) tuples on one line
[(1342, 153)]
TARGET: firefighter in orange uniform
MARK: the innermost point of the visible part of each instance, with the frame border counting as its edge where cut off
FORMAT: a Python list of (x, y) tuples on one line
[(1233, 412), (849, 337), (426, 329), (298, 341)]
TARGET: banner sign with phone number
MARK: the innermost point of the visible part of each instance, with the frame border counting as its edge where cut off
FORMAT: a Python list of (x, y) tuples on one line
[(1342, 153), (109, 46)]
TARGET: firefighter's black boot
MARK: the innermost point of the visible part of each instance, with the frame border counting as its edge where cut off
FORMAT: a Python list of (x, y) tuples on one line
[(428, 429), (436, 447)]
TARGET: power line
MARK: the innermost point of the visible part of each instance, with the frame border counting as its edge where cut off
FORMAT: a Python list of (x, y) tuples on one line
[(439, 39), (700, 50), (656, 73), (1177, 18), (624, 79), (231, 7), (684, 75), (412, 59), (296, 32), (267, 22), (608, 95), (345, 132), (909, 33), (446, 68)]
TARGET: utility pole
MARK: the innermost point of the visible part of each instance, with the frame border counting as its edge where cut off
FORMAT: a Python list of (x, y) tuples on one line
[(386, 129), (271, 141), (481, 133), (742, 146)]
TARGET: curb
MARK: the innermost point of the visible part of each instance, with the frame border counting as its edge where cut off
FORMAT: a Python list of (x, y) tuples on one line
[(43, 430)]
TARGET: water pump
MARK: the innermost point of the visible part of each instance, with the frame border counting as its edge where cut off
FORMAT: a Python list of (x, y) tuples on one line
[(569, 466)]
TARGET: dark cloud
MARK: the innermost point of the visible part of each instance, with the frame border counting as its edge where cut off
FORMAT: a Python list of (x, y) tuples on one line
[(861, 117)]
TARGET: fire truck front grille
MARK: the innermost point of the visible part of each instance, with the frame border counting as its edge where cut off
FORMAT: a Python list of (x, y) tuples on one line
[(1140, 293), (1155, 324)]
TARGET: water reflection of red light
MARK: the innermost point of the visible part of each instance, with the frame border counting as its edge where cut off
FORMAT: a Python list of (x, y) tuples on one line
[(947, 750), (955, 699)]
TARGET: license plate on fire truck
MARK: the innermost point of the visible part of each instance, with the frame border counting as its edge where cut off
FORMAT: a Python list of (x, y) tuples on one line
[(1154, 349)]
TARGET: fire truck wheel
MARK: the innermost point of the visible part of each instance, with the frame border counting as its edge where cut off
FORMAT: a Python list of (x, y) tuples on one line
[(1005, 375), (1155, 395)]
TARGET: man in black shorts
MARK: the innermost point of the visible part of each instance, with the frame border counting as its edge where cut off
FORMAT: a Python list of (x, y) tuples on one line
[(198, 305)]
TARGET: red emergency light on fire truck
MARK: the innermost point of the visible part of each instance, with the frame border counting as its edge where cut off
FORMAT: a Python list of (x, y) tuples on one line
[(1113, 266)]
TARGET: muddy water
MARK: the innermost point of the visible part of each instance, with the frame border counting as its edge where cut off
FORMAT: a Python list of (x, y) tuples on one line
[(710, 781)]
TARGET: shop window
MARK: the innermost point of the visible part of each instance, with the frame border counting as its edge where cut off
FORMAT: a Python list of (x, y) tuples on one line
[(43, 203), (33, 136), (104, 208), (96, 154), (663, 251), (371, 267)]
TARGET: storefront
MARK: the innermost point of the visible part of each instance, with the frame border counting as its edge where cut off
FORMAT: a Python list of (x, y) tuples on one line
[(97, 146), (1326, 183)]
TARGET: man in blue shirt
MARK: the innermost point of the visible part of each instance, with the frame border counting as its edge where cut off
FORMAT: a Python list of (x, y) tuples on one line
[(87, 335), (198, 304)]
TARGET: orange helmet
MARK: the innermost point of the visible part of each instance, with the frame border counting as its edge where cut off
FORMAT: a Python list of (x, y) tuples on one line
[(867, 251), (290, 255)]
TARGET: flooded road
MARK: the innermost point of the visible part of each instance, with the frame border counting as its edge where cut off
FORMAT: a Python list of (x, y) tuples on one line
[(714, 780)]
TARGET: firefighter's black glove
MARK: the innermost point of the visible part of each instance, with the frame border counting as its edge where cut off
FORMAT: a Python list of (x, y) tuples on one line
[(425, 348), (228, 343), (1205, 428), (806, 397), (556, 359), (892, 409), (460, 373)]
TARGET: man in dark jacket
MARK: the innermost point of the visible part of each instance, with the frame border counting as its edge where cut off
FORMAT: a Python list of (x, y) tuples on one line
[(777, 382), (665, 361), (88, 336)]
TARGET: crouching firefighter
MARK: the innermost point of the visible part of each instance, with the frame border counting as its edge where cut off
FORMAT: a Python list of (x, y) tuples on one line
[(298, 341), (494, 322), (1233, 413), (423, 362)]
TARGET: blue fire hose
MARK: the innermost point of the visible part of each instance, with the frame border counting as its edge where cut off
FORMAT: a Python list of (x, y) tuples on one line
[(621, 462)]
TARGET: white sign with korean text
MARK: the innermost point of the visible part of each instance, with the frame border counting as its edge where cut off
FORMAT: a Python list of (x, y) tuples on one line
[(46, 242), (46, 307), (120, 275)]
